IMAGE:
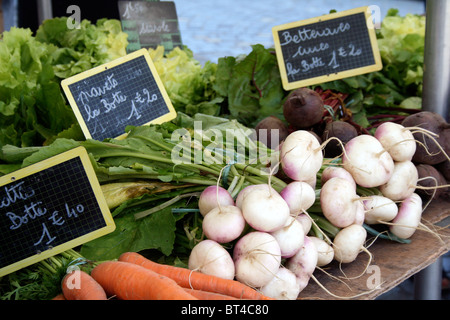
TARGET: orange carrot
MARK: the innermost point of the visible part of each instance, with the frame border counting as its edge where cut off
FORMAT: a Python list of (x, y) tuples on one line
[(79, 285), (196, 280), (208, 295), (59, 297), (129, 281)]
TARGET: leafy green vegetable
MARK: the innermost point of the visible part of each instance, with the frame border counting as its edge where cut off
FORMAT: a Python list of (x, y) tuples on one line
[(172, 152), (397, 88), (401, 41), (157, 231), (83, 48), (42, 280), (252, 85), (32, 107), (187, 82)]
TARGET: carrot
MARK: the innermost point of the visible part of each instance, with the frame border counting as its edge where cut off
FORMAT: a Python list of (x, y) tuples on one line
[(208, 295), (196, 280), (59, 297), (129, 281), (79, 285)]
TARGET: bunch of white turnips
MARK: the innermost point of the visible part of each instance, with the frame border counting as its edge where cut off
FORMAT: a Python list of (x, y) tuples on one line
[(276, 255)]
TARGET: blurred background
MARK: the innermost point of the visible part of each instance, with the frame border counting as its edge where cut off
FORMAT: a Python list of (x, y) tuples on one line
[(214, 29)]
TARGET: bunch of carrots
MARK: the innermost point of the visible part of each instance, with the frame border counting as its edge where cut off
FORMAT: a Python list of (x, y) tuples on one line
[(134, 277)]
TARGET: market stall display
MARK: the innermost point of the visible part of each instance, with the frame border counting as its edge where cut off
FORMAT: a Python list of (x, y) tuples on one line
[(154, 177)]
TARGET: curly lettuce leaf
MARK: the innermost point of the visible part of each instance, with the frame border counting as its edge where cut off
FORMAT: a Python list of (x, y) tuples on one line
[(84, 48), (187, 82), (32, 107)]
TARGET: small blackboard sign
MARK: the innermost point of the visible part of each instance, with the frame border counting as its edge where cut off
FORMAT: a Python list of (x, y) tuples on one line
[(49, 207), (126, 91), (149, 24), (326, 48)]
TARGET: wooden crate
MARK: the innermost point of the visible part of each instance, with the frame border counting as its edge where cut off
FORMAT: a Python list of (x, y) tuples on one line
[(394, 262)]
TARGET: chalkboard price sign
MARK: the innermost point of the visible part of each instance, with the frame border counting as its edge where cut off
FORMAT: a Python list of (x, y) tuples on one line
[(326, 48), (126, 91), (149, 24), (49, 207)]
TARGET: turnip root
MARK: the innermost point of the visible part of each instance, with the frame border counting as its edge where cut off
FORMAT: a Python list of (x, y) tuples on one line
[(243, 193), (212, 196), (348, 242), (367, 161), (223, 224), (331, 172), (301, 156), (379, 209), (303, 108), (338, 201), (397, 140), (284, 286), (304, 262), (264, 209), (209, 257), (402, 183), (299, 196), (257, 258), (360, 212), (290, 237), (324, 250), (305, 221), (405, 224)]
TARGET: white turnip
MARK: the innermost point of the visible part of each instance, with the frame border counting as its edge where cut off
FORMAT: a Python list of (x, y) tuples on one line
[(338, 201), (223, 224), (290, 237), (348, 242), (405, 224), (212, 196), (367, 161), (304, 262), (284, 286), (397, 140), (211, 258), (243, 193), (403, 181), (299, 196), (360, 211), (331, 172), (257, 258), (301, 156), (306, 221), (264, 209), (379, 209), (324, 250)]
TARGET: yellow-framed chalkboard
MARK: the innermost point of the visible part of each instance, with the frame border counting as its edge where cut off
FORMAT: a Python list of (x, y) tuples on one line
[(126, 91), (326, 48), (50, 207)]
